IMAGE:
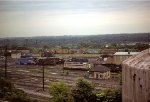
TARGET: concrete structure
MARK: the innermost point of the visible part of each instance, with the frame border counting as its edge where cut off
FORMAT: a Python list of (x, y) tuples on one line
[(77, 63), (136, 78), (99, 72), (119, 57)]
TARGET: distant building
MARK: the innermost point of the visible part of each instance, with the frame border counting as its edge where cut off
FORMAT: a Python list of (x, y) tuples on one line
[(99, 72), (77, 63), (136, 78), (92, 51), (108, 51), (47, 54), (119, 57)]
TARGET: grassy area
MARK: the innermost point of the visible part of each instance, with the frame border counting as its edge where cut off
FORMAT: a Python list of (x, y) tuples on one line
[(39, 70)]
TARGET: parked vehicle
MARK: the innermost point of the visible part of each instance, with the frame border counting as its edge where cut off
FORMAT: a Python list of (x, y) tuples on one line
[(26, 55), (46, 61), (25, 61), (50, 61)]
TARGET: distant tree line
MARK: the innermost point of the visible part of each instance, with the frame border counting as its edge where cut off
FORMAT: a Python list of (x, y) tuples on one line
[(92, 41)]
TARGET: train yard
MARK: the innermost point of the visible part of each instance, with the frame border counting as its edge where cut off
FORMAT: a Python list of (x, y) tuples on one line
[(29, 78)]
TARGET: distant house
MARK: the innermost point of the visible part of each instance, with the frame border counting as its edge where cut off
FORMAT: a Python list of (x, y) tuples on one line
[(77, 63), (99, 72), (47, 54), (108, 51), (80, 51), (92, 51), (119, 57)]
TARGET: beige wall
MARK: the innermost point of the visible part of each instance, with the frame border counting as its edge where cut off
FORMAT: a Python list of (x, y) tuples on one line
[(120, 58), (117, 59)]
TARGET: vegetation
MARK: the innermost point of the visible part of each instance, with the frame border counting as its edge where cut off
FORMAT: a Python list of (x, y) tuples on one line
[(83, 91), (93, 41), (135, 47), (10, 93), (109, 95), (60, 92)]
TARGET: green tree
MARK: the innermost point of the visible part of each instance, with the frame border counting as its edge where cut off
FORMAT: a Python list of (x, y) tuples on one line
[(83, 91), (60, 92), (109, 95), (45, 47)]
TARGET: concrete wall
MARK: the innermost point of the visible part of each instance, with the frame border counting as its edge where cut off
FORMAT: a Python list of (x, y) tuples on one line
[(117, 59), (120, 58), (136, 78)]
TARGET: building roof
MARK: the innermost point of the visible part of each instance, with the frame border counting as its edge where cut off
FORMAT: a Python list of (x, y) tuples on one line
[(99, 68), (78, 60), (95, 60), (139, 61), (125, 53), (108, 51)]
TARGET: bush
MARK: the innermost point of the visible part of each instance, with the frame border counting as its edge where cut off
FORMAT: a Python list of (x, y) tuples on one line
[(10, 93), (60, 92), (109, 95), (83, 91)]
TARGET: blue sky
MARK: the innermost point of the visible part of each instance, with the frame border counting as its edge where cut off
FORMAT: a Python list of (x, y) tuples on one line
[(73, 17)]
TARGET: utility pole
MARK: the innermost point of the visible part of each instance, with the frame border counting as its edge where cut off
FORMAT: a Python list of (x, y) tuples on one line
[(148, 42), (5, 61), (43, 75)]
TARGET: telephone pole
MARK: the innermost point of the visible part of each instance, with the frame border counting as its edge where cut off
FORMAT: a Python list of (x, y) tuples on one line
[(5, 60), (43, 75)]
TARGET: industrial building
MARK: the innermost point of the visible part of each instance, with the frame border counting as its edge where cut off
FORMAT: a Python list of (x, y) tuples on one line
[(136, 78), (119, 57)]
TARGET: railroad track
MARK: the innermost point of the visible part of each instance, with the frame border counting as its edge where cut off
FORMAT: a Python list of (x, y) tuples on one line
[(27, 80)]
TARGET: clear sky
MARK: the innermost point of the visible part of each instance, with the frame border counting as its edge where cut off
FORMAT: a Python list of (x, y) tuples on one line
[(73, 17)]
